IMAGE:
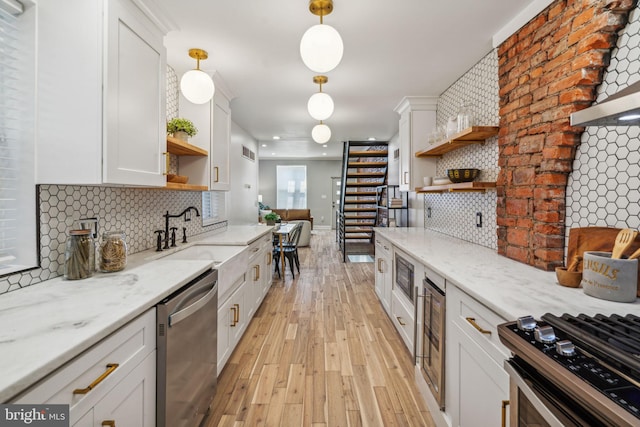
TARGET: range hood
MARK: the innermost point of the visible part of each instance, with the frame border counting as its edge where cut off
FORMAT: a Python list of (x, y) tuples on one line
[(621, 109)]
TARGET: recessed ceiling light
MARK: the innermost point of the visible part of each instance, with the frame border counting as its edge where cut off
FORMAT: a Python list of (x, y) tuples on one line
[(324, 154), (276, 137), (264, 145), (324, 146), (273, 154), (371, 138)]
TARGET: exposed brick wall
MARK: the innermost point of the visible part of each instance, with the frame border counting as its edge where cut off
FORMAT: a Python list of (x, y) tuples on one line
[(547, 70)]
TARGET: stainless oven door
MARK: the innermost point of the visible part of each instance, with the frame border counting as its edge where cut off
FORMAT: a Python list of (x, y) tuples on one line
[(535, 401), (432, 354)]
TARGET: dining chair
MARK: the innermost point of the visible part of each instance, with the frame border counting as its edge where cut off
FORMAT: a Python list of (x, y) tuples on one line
[(290, 250)]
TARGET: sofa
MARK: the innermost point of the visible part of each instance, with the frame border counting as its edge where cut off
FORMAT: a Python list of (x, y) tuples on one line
[(290, 215)]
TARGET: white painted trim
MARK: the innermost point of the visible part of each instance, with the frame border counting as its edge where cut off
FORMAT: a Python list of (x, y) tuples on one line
[(520, 21), (322, 227), (413, 103)]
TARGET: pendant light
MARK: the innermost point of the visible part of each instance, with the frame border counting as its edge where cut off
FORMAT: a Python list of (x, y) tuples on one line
[(321, 133), (320, 105), (196, 85), (321, 46)]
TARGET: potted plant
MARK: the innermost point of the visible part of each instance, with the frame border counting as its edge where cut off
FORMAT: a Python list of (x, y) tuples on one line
[(271, 218), (181, 128)]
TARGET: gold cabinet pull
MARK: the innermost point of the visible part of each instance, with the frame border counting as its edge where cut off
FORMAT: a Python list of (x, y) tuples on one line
[(380, 265), (109, 423), (110, 368), (269, 258), (478, 327), (505, 403), (215, 168), (400, 320), (257, 270), (166, 161)]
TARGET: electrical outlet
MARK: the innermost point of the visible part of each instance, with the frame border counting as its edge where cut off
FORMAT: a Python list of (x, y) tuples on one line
[(479, 219)]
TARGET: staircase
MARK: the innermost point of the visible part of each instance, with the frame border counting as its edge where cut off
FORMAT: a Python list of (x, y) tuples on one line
[(364, 167)]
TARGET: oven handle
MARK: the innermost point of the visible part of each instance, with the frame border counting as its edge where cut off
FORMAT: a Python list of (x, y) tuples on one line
[(427, 299), (178, 316), (541, 408)]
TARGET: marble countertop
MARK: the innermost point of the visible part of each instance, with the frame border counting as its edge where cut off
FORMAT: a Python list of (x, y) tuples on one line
[(47, 324), (508, 287)]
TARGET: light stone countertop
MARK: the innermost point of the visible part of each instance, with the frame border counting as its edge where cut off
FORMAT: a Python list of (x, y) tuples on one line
[(47, 324), (509, 288)]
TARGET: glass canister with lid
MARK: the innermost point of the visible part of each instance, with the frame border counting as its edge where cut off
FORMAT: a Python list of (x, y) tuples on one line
[(79, 255), (113, 251)]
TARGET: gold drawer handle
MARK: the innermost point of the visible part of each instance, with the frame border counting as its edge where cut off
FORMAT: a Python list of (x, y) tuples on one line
[(380, 265), (505, 403), (109, 423), (269, 258), (110, 368), (401, 321), (257, 270), (478, 327), (217, 174)]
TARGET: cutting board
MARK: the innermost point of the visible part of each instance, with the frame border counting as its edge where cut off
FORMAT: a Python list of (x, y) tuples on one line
[(596, 239)]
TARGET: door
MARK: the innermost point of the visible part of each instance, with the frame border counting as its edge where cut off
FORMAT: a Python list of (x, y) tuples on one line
[(336, 182)]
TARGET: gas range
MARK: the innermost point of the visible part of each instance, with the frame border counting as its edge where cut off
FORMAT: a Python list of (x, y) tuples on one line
[(590, 363)]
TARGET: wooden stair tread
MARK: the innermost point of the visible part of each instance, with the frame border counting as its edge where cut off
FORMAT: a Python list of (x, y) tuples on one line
[(368, 153), (367, 164)]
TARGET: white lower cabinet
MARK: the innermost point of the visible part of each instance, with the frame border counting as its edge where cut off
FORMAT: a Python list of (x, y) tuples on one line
[(384, 270), (476, 383), (246, 294), (114, 380), (231, 324), (122, 404)]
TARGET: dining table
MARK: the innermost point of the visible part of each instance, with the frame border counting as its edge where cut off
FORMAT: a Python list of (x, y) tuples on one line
[(282, 231)]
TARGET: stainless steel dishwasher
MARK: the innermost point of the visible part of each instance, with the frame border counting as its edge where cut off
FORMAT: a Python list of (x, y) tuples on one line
[(187, 337)]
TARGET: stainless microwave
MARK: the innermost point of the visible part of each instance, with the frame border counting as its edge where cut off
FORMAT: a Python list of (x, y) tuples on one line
[(404, 277)]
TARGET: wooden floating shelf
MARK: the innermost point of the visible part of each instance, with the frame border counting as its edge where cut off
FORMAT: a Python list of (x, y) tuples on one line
[(469, 136), (188, 187), (462, 187), (183, 148)]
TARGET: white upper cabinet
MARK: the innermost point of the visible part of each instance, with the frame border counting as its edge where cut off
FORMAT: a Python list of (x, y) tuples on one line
[(101, 94), (417, 121), (213, 120), (220, 142)]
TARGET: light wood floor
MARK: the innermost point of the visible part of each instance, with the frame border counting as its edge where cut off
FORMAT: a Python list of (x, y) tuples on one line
[(320, 352)]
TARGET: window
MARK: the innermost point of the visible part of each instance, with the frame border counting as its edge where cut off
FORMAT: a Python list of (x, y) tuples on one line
[(214, 207), (18, 227), (291, 187)]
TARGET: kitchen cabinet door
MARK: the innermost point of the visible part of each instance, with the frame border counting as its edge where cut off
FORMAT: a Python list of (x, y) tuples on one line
[(231, 324), (135, 104), (417, 121), (133, 401), (477, 383), (219, 153), (383, 276), (101, 94)]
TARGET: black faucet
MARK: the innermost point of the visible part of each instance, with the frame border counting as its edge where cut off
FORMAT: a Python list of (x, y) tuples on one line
[(187, 217)]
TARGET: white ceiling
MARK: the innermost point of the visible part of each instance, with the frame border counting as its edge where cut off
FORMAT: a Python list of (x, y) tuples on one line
[(391, 49)]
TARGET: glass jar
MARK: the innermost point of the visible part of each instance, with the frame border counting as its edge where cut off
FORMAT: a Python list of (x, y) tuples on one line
[(113, 252), (465, 117), (79, 255)]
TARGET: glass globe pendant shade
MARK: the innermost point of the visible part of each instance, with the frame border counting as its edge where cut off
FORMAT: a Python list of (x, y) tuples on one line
[(197, 86), (321, 48), (321, 133), (320, 106)]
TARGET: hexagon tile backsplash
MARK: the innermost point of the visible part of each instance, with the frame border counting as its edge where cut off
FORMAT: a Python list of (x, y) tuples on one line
[(604, 186), (136, 211)]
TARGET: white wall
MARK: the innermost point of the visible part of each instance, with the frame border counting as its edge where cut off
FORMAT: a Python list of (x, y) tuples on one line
[(319, 173), (242, 199)]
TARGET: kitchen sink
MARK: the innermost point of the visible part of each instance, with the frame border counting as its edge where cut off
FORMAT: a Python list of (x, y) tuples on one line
[(217, 253), (230, 261)]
